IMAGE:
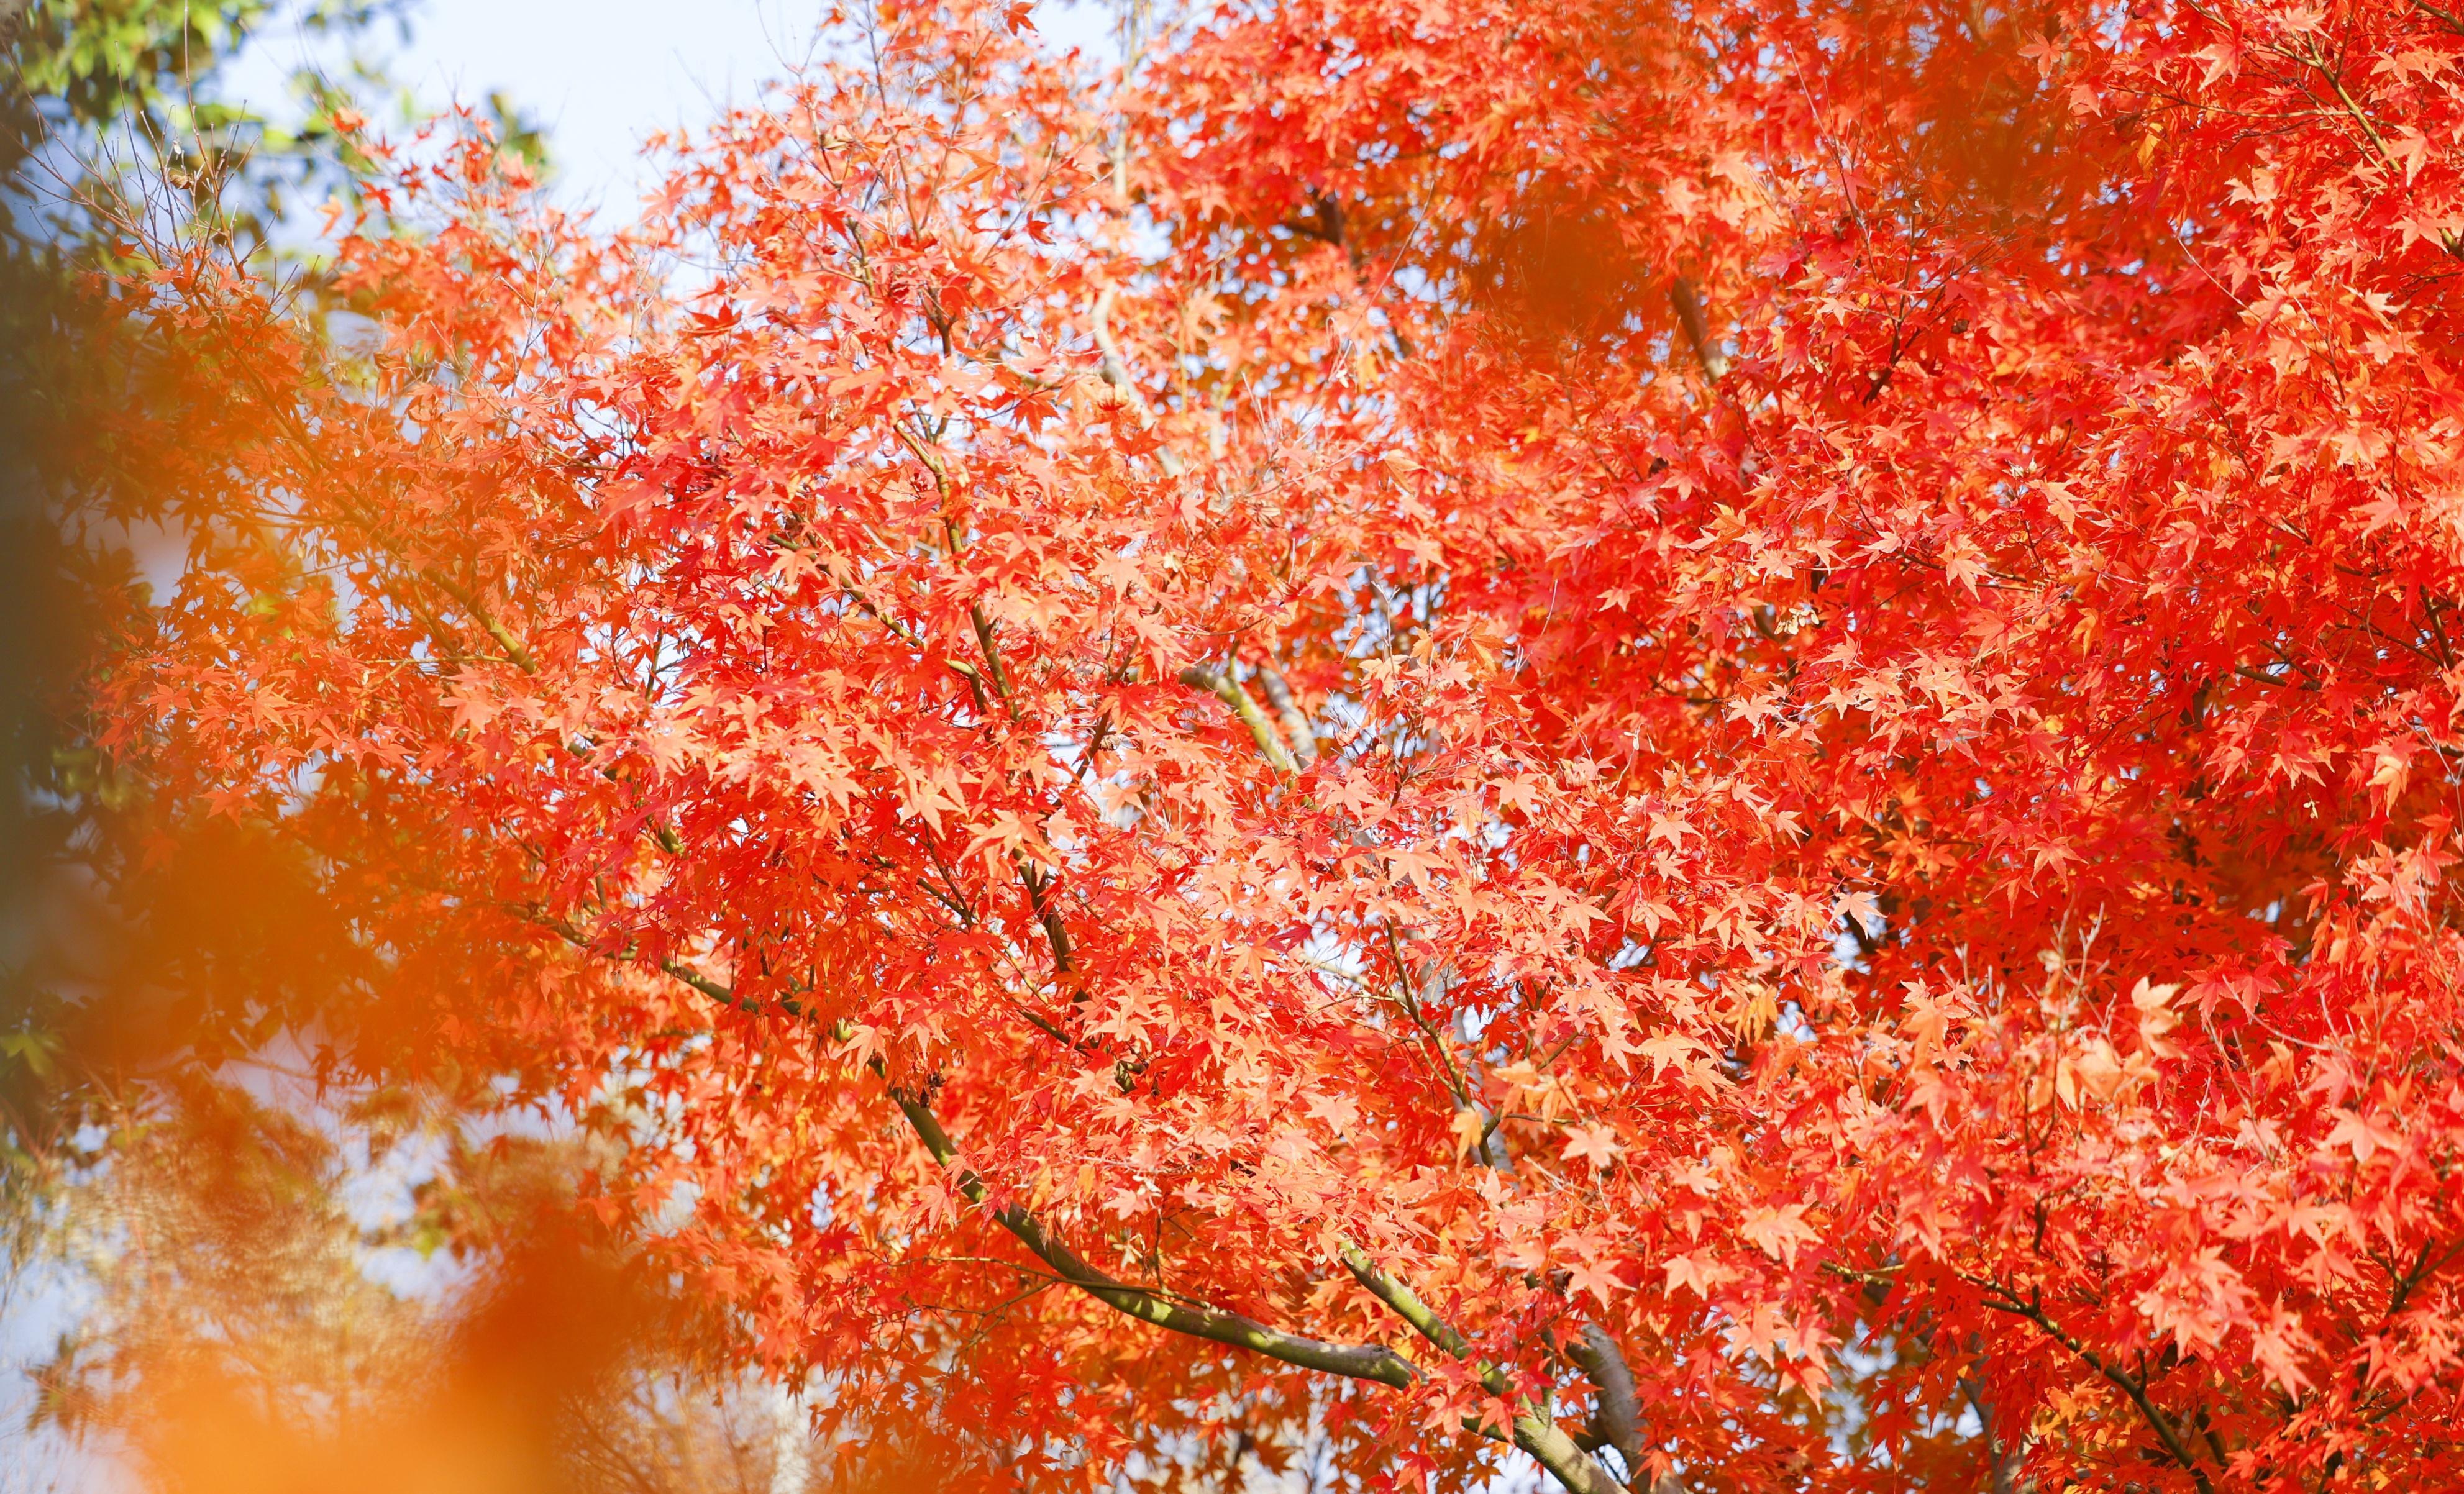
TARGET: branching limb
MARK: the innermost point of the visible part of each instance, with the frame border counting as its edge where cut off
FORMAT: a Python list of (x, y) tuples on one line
[(2001, 1300), (1535, 1431), (1216, 680), (2002, 1462), (1354, 1361), (1618, 1420)]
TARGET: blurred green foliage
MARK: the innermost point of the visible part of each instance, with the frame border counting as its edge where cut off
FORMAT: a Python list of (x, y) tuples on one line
[(121, 126), (116, 125), (116, 109)]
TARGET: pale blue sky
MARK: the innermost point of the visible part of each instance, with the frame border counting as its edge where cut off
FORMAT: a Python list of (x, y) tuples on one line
[(601, 74)]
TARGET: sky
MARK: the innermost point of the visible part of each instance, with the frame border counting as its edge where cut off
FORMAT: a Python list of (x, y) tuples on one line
[(599, 73)]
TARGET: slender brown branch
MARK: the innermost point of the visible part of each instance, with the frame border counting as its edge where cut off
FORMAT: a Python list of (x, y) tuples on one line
[(1535, 1431), (1354, 1361), (2032, 1310), (1698, 329)]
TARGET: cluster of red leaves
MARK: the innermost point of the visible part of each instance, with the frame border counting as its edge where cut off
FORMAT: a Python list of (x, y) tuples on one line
[(1753, 703)]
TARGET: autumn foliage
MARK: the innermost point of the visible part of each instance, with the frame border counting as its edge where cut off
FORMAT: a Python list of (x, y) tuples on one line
[(1719, 739)]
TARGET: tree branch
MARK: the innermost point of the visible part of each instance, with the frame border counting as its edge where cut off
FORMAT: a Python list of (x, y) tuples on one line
[(1535, 1432), (1359, 1362), (1296, 725), (1698, 330), (1216, 680), (2003, 1300), (1618, 1421)]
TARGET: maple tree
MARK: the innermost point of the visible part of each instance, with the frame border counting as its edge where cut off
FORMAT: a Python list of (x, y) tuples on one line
[(1715, 740)]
